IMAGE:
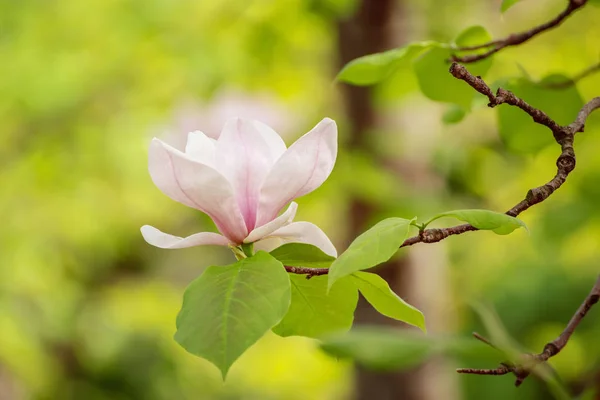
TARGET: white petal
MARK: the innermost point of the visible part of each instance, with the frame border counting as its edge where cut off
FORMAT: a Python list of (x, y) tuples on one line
[(198, 186), (300, 170), (284, 219), (201, 148), (165, 241), (298, 232), (244, 157)]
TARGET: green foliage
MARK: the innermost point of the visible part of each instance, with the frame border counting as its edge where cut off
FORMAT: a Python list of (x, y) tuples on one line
[(381, 348), (77, 109), (496, 332), (499, 223), (512, 351), (374, 68), (431, 69), (396, 349), (314, 311), (453, 114), (473, 36), (248, 249), (516, 128), (506, 4), (371, 248), (227, 309), (378, 293), (302, 255)]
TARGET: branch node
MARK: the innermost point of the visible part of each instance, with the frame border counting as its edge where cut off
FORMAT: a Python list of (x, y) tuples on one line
[(432, 235), (566, 163)]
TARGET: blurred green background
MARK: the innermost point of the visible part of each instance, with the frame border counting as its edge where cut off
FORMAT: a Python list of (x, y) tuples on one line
[(88, 308)]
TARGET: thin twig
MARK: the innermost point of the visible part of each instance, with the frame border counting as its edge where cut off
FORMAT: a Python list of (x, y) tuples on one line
[(517, 38), (530, 361), (482, 339)]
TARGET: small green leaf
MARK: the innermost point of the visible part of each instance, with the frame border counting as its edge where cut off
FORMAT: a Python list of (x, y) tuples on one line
[(381, 348), (302, 255), (506, 4), (228, 308), (518, 132), (499, 223), (374, 68), (373, 247), (378, 293), (453, 114), (313, 312), (431, 69), (248, 249), (472, 36)]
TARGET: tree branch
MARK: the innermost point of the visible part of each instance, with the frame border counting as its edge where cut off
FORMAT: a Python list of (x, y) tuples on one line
[(517, 38), (564, 136), (530, 361), (309, 272)]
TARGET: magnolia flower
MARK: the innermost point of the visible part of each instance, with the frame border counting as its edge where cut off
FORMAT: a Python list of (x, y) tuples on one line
[(243, 181)]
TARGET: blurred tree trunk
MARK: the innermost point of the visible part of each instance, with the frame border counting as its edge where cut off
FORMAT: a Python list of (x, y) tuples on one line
[(368, 31)]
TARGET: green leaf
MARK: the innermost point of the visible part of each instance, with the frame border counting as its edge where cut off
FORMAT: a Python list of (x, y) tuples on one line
[(374, 68), (453, 114), (381, 348), (313, 312), (431, 69), (373, 247), (519, 133), (248, 249), (499, 223), (470, 349), (506, 4), (227, 309), (302, 255), (473, 36), (387, 348), (594, 2), (378, 293)]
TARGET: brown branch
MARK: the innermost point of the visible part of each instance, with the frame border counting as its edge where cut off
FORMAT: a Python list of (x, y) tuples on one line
[(517, 38), (530, 361), (309, 272), (564, 136)]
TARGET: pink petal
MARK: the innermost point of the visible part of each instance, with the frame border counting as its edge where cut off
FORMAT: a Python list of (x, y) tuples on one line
[(198, 186), (284, 219), (201, 148), (298, 232), (276, 144), (165, 241), (300, 170), (245, 153)]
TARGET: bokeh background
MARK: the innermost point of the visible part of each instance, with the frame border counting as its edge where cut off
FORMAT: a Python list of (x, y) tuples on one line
[(87, 308)]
